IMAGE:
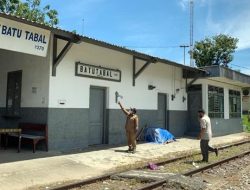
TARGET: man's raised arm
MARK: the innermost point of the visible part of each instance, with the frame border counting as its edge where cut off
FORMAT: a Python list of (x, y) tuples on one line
[(123, 109)]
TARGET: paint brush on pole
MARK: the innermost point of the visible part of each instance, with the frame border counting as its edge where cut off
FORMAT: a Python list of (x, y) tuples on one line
[(117, 96)]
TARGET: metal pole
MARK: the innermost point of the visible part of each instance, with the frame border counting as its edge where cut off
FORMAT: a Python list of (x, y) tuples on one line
[(184, 52), (191, 31), (83, 26)]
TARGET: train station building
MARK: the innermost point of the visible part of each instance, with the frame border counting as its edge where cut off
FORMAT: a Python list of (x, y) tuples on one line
[(72, 82)]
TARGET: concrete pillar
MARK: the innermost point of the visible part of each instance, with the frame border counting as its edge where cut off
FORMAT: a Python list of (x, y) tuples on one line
[(241, 102), (226, 103), (205, 96)]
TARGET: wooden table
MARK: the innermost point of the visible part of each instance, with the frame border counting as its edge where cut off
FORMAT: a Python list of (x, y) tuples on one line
[(7, 131)]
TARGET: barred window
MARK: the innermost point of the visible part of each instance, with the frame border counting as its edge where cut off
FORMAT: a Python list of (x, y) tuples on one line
[(234, 103), (215, 102)]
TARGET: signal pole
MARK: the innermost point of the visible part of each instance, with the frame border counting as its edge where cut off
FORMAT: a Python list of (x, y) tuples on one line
[(83, 26), (191, 31), (184, 51)]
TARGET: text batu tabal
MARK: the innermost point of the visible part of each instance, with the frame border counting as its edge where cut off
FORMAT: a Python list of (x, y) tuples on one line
[(19, 33)]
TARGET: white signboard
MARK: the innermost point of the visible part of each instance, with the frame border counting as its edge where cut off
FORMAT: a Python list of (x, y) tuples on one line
[(92, 71), (16, 36)]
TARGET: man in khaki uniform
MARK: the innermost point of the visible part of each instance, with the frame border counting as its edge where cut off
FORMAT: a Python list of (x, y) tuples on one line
[(205, 135), (131, 127)]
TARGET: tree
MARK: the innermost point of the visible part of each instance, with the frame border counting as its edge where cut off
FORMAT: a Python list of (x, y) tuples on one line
[(30, 10), (216, 50), (9, 6)]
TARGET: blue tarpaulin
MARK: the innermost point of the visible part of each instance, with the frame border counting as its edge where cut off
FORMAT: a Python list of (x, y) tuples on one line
[(158, 135)]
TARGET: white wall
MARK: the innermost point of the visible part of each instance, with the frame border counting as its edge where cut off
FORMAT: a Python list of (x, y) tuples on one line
[(35, 73), (74, 90), (246, 103)]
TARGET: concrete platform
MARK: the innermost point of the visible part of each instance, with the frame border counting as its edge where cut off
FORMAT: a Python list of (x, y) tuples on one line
[(43, 169)]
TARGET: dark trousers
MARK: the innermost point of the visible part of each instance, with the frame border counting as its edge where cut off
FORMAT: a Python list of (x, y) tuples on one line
[(205, 148)]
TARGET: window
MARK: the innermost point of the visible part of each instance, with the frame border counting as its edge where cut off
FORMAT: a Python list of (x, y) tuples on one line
[(234, 103), (215, 102)]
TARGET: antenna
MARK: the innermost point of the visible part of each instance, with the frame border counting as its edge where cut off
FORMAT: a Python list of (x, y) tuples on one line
[(191, 31), (82, 26), (184, 48)]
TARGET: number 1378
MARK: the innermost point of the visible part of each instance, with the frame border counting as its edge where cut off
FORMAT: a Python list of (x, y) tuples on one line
[(41, 48)]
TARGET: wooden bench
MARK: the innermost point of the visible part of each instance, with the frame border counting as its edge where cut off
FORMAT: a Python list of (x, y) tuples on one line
[(7, 132), (34, 132)]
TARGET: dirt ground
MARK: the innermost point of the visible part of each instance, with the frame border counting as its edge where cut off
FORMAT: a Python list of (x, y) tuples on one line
[(233, 176)]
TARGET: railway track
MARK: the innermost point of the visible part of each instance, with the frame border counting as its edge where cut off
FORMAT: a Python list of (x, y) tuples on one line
[(196, 171), (158, 183)]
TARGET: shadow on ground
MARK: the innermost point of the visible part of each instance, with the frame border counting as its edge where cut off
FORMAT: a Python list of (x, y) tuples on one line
[(10, 154)]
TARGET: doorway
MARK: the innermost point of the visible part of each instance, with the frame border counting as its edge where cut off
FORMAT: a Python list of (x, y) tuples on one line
[(194, 104), (97, 116), (162, 111), (13, 97)]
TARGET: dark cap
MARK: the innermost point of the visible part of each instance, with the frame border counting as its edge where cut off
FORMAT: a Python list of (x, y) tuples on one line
[(133, 110), (201, 111)]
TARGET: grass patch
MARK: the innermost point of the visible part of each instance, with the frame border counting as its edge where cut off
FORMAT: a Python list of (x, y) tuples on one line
[(246, 123), (193, 161)]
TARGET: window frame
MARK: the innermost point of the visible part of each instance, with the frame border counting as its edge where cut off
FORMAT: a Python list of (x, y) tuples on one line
[(219, 96), (237, 95)]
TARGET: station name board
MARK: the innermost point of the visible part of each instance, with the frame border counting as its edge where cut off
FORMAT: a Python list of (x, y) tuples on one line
[(93, 71), (16, 36)]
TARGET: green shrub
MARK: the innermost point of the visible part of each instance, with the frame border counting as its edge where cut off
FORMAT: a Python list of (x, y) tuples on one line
[(246, 123)]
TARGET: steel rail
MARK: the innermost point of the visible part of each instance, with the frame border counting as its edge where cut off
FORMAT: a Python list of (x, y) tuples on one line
[(198, 153), (210, 166), (83, 182), (107, 176), (195, 171)]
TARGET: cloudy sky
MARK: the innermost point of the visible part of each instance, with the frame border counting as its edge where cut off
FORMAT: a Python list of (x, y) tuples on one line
[(158, 27)]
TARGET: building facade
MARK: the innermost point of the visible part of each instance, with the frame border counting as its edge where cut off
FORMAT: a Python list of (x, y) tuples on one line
[(73, 87)]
